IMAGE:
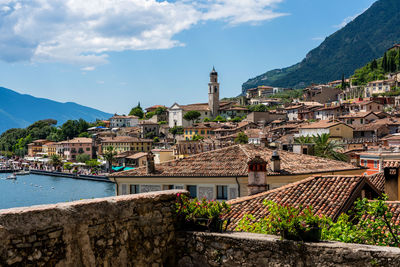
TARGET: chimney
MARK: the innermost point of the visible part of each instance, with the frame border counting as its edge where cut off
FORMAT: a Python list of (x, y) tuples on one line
[(275, 162), (257, 175), (150, 166)]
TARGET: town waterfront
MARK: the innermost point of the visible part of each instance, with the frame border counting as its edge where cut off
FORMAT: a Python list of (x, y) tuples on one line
[(34, 189)]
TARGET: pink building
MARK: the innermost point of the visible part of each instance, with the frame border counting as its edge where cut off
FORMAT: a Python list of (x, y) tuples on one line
[(77, 146)]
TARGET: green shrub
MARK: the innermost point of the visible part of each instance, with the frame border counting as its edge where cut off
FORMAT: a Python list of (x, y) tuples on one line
[(195, 214)]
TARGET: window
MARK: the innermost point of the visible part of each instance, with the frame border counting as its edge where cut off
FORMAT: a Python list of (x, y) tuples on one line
[(222, 192), (375, 164), (134, 189), (365, 163), (168, 187), (192, 190), (88, 149), (124, 189)]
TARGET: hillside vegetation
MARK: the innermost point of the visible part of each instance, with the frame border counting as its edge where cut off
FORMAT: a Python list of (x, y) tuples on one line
[(360, 41)]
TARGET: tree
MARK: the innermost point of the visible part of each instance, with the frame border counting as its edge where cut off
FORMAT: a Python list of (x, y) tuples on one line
[(82, 158), (303, 140), (242, 138), (326, 148), (206, 119), (219, 119), (55, 161), (176, 130), (156, 139), (84, 134), (236, 119), (374, 65), (109, 155), (258, 108), (150, 115), (384, 63), (343, 85), (197, 137), (160, 110), (93, 163), (137, 111), (192, 115)]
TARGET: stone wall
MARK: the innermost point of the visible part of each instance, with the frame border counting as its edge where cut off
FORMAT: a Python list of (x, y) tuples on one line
[(133, 230), (244, 249)]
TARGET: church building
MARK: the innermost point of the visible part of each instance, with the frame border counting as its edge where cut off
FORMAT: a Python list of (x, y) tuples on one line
[(211, 110)]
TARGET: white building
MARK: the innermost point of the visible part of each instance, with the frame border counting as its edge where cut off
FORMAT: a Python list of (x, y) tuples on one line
[(118, 121)]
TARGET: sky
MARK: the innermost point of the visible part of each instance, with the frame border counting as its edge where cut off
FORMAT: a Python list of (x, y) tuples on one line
[(112, 54)]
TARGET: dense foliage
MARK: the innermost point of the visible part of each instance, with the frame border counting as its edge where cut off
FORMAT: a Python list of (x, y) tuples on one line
[(242, 138), (377, 68), (289, 222), (192, 115), (368, 222), (137, 111), (195, 214), (323, 146), (360, 41), (16, 140)]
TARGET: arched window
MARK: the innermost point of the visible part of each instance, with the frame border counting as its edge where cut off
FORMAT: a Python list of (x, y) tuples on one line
[(215, 89)]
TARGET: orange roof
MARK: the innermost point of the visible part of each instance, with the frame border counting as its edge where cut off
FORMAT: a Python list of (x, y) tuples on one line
[(232, 162), (328, 195)]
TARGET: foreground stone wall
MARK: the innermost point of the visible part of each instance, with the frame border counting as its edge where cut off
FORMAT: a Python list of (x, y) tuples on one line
[(133, 230), (244, 249)]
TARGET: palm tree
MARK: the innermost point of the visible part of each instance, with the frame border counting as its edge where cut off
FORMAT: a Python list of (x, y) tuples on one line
[(326, 148), (108, 155), (55, 161), (303, 140)]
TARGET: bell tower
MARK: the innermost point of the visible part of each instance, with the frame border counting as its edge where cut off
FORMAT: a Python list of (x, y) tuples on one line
[(213, 94)]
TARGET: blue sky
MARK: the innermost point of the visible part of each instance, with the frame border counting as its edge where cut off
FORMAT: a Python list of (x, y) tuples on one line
[(111, 54)]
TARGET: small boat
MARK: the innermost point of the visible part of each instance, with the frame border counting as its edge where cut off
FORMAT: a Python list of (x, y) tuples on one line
[(23, 173), (12, 176)]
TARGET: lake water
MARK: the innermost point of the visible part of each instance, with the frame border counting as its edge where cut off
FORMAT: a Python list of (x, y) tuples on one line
[(28, 190)]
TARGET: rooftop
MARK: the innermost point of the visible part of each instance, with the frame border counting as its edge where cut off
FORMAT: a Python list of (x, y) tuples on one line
[(328, 195), (323, 124), (232, 161)]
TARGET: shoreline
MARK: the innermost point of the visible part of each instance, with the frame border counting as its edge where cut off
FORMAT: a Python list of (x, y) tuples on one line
[(73, 176)]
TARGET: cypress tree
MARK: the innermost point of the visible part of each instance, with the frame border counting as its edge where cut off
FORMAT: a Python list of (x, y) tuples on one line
[(374, 65), (343, 83), (384, 62), (398, 60)]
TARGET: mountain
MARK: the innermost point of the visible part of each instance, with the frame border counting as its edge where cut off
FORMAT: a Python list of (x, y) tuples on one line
[(19, 110), (360, 41)]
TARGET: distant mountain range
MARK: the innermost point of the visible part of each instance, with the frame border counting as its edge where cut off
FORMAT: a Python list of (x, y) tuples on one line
[(19, 110), (360, 41)]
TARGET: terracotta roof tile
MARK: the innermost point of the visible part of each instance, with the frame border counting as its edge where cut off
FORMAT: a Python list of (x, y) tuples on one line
[(326, 194), (232, 161)]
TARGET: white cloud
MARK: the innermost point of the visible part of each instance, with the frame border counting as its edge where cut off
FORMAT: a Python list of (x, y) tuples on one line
[(90, 68), (83, 32)]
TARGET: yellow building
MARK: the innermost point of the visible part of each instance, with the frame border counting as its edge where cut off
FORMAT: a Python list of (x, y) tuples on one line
[(163, 155), (336, 129), (49, 149), (205, 129), (36, 147), (126, 143), (224, 174)]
